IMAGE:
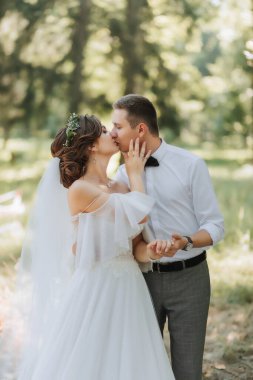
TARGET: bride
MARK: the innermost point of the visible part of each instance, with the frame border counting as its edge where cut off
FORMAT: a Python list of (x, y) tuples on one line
[(91, 316)]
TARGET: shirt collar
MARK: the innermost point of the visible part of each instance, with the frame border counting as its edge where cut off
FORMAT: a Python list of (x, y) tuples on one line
[(160, 151)]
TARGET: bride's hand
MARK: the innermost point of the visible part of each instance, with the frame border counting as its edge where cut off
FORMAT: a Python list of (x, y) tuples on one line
[(136, 158)]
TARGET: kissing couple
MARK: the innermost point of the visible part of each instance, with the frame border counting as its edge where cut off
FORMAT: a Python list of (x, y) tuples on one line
[(94, 315)]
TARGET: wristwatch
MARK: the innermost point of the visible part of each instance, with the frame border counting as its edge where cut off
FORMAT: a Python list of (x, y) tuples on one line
[(189, 245)]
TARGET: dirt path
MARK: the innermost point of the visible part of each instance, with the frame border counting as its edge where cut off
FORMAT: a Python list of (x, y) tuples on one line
[(229, 343)]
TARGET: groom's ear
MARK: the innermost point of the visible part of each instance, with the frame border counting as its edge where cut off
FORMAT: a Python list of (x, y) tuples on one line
[(142, 129)]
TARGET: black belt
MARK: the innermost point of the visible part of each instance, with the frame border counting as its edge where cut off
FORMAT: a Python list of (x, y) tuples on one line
[(179, 265)]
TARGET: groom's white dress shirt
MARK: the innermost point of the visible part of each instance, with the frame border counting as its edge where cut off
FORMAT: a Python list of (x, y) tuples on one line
[(184, 196)]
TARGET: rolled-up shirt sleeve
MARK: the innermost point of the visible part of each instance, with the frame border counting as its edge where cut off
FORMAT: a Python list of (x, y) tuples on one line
[(205, 203)]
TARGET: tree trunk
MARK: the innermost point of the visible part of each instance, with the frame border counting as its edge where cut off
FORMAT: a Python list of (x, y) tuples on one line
[(132, 46), (79, 42)]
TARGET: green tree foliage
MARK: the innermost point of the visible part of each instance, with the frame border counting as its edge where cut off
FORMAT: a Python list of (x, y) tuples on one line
[(187, 56)]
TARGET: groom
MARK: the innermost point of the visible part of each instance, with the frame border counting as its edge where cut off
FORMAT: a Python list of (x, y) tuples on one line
[(186, 212)]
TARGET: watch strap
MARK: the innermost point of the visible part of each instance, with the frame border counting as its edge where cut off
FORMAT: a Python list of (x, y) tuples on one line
[(189, 242)]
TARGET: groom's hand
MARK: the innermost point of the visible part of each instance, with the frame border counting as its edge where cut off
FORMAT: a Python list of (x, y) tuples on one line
[(178, 242)]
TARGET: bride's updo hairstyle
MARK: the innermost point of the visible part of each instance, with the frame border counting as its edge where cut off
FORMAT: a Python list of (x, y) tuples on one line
[(71, 145)]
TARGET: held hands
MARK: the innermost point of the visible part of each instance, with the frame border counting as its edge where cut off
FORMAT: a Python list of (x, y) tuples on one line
[(165, 248), (157, 249), (136, 158)]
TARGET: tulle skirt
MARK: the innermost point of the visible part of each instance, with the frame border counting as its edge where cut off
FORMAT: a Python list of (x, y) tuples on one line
[(106, 329)]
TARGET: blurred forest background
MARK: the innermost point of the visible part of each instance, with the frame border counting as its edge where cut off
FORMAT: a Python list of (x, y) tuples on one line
[(194, 60), (81, 55)]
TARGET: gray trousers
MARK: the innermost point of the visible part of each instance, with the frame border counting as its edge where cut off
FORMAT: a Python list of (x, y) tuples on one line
[(182, 298)]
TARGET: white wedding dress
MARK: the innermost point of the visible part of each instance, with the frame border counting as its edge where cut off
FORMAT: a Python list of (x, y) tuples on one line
[(105, 327)]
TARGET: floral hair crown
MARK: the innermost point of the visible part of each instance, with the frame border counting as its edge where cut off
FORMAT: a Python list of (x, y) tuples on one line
[(72, 125)]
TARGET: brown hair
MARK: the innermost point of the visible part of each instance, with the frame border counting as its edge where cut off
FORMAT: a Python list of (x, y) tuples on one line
[(74, 158), (139, 109)]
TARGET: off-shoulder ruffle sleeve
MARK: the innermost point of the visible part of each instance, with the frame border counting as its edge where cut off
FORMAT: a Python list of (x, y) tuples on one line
[(130, 210), (108, 231)]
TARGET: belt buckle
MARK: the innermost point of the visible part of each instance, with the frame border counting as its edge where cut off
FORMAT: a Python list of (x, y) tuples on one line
[(183, 263), (158, 267)]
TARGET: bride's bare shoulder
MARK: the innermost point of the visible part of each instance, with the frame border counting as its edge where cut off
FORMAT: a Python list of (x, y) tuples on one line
[(121, 187), (82, 187), (80, 194)]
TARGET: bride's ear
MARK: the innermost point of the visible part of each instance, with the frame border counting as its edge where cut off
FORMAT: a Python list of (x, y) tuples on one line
[(93, 148)]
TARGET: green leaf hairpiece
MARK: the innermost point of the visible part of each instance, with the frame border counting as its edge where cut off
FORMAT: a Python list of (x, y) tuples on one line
[(72, 125)]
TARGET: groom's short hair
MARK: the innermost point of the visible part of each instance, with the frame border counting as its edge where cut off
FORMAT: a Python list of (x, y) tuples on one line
[(139, 109)]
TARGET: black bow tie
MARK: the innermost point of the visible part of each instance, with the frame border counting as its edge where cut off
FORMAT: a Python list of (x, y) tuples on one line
[(151, 161)]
